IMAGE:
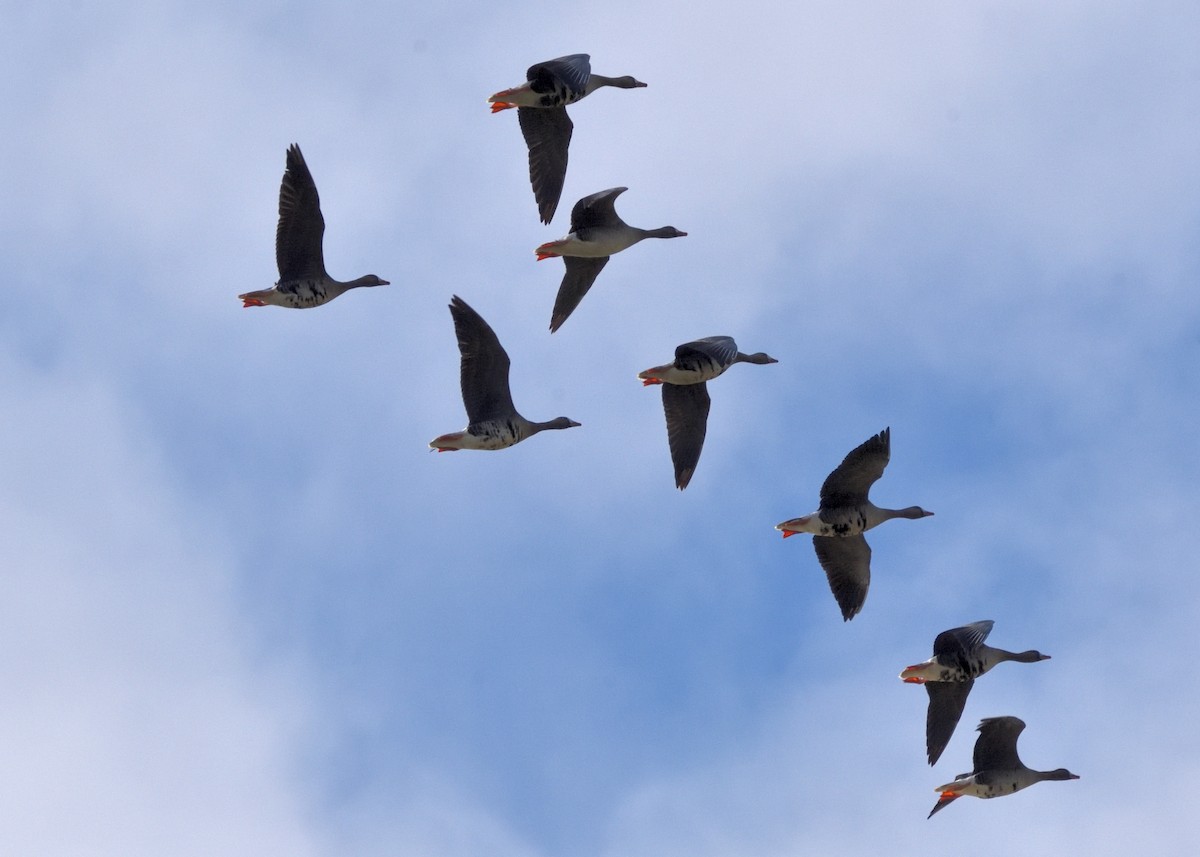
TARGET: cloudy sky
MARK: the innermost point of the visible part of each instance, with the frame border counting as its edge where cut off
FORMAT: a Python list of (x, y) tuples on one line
[(243, 609)]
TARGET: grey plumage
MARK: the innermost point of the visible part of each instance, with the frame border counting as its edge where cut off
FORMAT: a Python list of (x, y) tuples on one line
[(299, 236), (541, 104), (960, 655), (484, 366), (493, 422), (686, 407), (685, 396), (597, 231), (845, 513), (998, 769)]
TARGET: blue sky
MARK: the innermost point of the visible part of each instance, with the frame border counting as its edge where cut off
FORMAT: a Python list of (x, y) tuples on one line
[(245, 611)]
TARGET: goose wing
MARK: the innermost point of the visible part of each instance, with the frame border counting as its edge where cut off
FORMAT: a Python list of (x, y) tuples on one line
[(717, 351), (847, 564), (301, 228), (851, 480), (996, 746), (953, 647), (581, 273), (686, 407), (547, 132), (947, 699), (597, 209), (572, 71), (485, 364)]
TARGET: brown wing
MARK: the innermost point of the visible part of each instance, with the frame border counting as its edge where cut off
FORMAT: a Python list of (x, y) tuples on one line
[(547, 132), (996, 746), (850, 481), (597, 209), (947, 699), (686, 407), (572, 71), (301, 227), (484, 371), (847, 564), (581, 273), (954, 646), (714, 352)]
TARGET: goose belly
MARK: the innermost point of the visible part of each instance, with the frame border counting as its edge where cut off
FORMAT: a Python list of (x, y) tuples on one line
[(825, 524), (594, 243), (841, 522), (301, 294), (932, 670), (495, 434), (560, 96), (991, 784), (694, 373)]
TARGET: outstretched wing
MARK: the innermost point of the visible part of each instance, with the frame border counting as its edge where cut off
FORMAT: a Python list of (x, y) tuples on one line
[(572, 71), (715, 353), (301, 227), (484, 371), (954, 646), (597, 209), (850, 481), (581, 273), (847, 564), (996, 746), (686, 407), (947, 699), (547, 132)]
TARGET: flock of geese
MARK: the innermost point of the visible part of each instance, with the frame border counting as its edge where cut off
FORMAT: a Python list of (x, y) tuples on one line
[(960, 655)]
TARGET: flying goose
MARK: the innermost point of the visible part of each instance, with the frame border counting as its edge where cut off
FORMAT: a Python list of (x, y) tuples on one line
[(844, 515), (998, 769), (685, 395), (541, 104), (302, 279), (492, 420), (596, 233), (959, 657)]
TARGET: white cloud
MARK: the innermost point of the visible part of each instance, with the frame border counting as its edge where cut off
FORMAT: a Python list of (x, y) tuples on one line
[(139, 719), (248, 611)]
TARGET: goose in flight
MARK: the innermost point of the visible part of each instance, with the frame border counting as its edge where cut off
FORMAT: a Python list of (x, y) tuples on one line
[(596, 233), (685, 395), (492, 420), (998, 769), (959, 657), (541, 104), (302, 281), (844, 515)]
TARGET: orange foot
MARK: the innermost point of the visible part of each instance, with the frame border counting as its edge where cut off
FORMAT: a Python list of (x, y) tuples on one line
[(787, 533), (497, 106)]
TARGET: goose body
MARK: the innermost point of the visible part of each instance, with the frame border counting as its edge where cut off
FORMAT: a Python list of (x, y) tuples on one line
[(685, 395), (597, 232), (299, 236), (959, 657), (541, 104), (492, 420), (846, 513), (998, 770)]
